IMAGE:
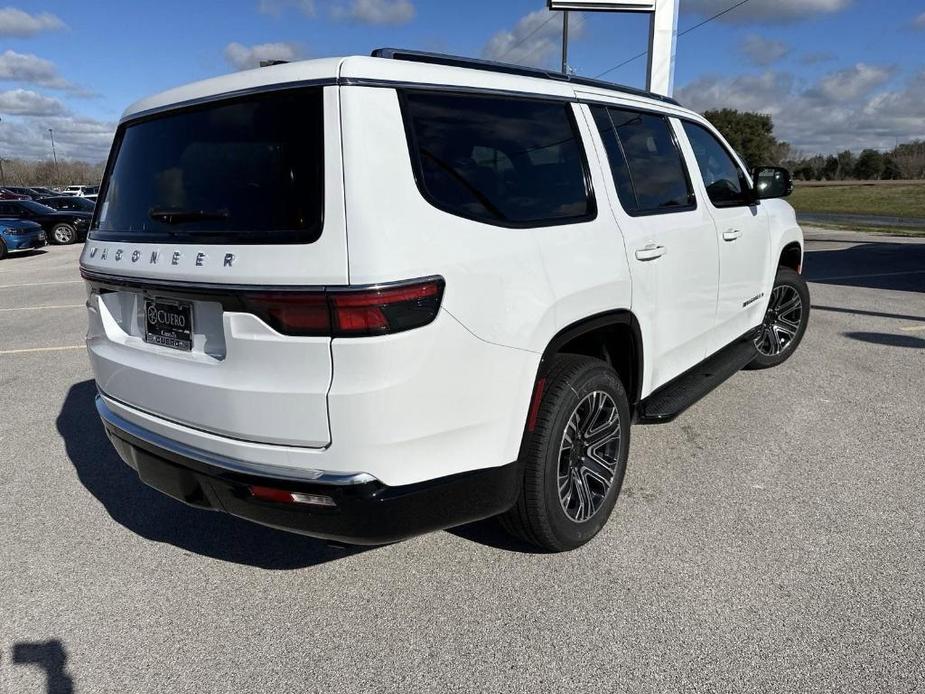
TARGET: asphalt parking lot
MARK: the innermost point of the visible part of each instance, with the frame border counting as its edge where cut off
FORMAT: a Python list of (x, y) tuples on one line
[(771, 539)]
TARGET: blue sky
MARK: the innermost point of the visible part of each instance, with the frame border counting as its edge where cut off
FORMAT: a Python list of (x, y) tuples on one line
[(835, 74)]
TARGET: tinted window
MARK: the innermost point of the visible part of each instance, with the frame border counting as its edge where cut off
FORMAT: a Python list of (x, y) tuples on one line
[(505, 161), (725, 182), (645, 161), (243, 171)]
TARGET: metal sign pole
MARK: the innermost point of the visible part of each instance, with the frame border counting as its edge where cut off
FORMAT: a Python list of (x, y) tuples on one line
[(663, 34)]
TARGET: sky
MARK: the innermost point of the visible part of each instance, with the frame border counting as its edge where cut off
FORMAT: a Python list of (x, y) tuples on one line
[(834, 74)]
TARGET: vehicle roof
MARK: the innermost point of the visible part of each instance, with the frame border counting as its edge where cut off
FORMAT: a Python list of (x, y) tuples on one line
[(363, 69)]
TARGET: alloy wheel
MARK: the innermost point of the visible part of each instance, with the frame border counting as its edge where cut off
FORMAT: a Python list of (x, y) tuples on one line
[(63, 234), (588, 456), (781, 322)]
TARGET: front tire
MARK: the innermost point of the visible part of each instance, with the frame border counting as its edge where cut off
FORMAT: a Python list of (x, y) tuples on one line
[(63, 234), (784, 322), (574, 459)]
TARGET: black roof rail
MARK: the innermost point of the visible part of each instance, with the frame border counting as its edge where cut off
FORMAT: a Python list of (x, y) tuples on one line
[(511, 69)]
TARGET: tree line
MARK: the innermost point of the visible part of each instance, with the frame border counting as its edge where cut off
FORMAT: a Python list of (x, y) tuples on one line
[(752, 135), (48, 174)]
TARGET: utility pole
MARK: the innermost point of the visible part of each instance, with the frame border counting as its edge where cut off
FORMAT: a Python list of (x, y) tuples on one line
[(54, 154), (2, 177), (565, 42)]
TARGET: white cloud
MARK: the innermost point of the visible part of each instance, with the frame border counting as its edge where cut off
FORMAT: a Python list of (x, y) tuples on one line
[(851, 83), (847, 109), (243, 57), (22, 102), (535, 40), (25, 67), (276, 7), (762, 51), (919, 22), (376, 11), (15, 22), (765, 11)]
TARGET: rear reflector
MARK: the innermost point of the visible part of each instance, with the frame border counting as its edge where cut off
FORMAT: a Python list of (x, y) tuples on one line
[(282, 496), (349, 312)]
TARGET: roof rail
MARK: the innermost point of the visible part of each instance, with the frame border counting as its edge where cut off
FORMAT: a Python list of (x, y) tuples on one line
[(511, 69)]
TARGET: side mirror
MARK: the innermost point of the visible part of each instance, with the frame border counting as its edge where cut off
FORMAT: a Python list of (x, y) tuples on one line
[(772, 182)]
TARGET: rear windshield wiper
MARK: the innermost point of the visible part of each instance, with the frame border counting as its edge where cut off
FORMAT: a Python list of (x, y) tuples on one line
[(170, 215)]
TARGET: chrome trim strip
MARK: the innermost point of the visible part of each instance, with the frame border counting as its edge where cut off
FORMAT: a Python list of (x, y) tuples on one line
[(230, 464)]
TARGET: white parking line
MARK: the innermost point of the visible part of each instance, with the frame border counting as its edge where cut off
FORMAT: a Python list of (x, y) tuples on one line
[(913, 328), (39, 308), (42, 349), (39, 284)]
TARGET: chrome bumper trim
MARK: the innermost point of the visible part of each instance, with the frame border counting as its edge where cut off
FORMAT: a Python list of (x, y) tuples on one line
[(231, 464)]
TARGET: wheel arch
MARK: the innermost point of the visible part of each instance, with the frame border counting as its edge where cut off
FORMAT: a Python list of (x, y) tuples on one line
[(613, 336), (791, 256)]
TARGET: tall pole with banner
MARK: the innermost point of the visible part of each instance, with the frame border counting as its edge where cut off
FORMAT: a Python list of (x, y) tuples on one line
[(663, 34)]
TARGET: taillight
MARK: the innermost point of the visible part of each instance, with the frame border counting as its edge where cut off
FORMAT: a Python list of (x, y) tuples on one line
[(350, 312)]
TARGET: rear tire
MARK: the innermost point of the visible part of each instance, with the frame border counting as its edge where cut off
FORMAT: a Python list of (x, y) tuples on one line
[(63, 234), (785, 320), (2, 250), (574, 460)]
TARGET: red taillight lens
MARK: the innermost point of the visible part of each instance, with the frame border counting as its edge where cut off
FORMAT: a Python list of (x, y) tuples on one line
[(350, 312), (293, 313), (385, 309)]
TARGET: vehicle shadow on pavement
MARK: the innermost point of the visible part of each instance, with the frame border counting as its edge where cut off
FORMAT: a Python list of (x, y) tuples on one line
[(154, 516), (888, 339), (51, 657), (874, 265)]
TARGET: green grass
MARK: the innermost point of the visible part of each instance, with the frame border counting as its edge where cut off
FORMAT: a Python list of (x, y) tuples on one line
[(888, 201)]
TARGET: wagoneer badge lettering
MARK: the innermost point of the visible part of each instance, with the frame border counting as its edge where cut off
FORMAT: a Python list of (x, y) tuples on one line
[(201, 258)]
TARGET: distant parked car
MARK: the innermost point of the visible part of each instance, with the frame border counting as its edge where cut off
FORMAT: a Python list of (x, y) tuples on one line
[(44, 191), (19, 235), (28, 193), (61, 227), (81, 191), (7, 194), (68, 203)]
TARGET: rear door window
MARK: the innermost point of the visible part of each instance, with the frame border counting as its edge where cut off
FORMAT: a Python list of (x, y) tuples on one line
[(506, 161), (248, 170), (646, 163)]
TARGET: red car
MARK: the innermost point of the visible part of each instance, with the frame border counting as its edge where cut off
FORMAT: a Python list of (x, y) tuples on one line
[(10, 195)]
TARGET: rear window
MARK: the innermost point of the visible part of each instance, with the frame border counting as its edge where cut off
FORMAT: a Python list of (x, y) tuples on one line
[(249, 170), (500, 160)]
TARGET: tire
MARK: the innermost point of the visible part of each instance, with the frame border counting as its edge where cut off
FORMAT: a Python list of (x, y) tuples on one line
[(784, 322), (578, 391), (63, 234), (2, 250)]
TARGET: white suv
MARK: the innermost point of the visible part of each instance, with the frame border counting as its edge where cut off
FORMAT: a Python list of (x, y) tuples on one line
[(369, 297)]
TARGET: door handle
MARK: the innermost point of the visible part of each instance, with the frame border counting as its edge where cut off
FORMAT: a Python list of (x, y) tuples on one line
[(732, 234), (650, 252)]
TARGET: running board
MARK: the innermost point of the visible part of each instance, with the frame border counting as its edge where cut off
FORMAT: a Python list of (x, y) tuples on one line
[(674, 397)]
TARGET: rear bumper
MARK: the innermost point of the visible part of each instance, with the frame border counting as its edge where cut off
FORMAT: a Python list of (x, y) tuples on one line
[(365, 510)]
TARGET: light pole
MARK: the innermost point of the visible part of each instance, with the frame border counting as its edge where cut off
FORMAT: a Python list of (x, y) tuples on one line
[(54, 154)]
